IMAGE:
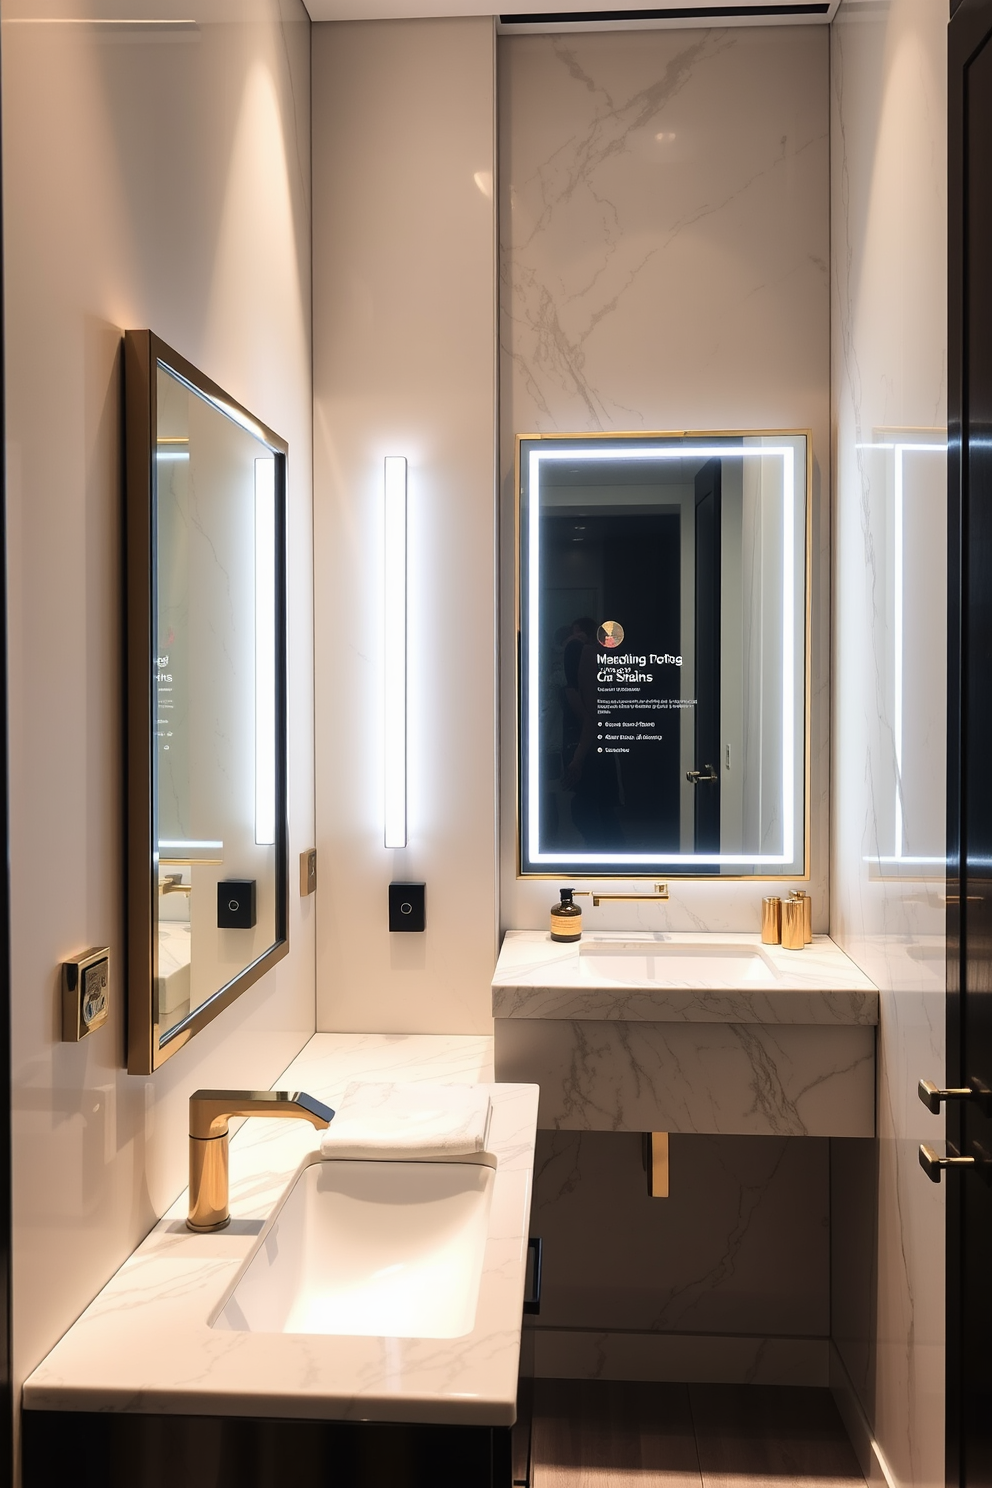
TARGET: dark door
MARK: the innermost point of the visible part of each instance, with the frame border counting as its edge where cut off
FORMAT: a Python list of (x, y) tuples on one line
[(706, 773), (969, 872)]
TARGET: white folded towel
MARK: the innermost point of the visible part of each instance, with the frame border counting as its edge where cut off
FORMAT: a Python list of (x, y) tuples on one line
[(408, 1121)]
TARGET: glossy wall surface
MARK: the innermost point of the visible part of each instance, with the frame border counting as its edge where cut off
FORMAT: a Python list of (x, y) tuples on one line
[(664, 226), (888, 113), (404, 364), (154, 175)]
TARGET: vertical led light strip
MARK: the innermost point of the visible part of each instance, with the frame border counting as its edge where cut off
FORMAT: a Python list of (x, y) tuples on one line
[(534, 844), (265, 651), (789, 654), (394, 659), (897, 605)]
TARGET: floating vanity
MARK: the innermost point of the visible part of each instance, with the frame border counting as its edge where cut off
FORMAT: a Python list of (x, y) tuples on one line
[(688, 1033), (203, 1325)]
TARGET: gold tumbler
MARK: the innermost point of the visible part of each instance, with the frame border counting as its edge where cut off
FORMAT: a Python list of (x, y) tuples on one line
[(793, 934), (801, 896), (771, 922)]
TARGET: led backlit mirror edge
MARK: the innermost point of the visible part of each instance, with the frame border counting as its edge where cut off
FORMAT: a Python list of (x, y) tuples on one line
[(796, 763), (147, 1047)]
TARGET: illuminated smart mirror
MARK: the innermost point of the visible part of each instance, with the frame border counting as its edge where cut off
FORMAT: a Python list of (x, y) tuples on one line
[(206, 671), (663, 616)]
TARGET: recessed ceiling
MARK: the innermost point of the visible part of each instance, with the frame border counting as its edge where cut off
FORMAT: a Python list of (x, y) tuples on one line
[(585, 15)]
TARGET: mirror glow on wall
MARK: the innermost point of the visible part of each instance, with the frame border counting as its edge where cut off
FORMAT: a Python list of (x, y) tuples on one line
[(663, 622)]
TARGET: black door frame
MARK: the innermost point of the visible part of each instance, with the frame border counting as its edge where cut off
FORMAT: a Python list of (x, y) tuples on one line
[(968, 640)]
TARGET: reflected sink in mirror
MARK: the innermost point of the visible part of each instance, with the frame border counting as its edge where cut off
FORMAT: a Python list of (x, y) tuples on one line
[(381, 1249), (678, 965)]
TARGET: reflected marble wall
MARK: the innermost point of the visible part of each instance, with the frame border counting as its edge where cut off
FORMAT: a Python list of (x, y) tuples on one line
[(725, 1280), (887, 908), (664, 266)]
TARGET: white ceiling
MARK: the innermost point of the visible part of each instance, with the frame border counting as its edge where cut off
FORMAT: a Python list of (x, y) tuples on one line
[(550, 15)]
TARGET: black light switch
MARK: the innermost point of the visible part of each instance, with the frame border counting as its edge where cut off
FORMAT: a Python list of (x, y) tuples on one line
[(236, 904), (407, 906)]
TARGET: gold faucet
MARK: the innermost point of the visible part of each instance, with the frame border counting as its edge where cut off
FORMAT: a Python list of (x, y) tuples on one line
[(660, 892), (209, 1113), (172, 883)]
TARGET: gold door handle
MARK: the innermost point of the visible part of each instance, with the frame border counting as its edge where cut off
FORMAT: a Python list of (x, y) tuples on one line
[(931, 1096), (697, 777), (933, 1164)]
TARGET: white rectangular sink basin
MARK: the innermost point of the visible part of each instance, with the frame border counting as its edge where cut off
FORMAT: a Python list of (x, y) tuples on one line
[(678, 965), (383, 1249)]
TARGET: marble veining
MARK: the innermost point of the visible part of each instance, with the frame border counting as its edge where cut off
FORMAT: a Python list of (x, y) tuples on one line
[(796, 1060), (537, 977), (776, 1080), (145, 1344), (662, 267)]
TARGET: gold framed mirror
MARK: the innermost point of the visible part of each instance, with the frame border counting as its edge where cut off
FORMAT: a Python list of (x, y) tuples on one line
[(207, 849), (663, 616)]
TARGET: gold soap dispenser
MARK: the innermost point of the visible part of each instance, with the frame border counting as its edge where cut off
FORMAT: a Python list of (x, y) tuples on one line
[(566, 918)]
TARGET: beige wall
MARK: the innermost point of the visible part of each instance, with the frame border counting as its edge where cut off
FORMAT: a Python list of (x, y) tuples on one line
[(404, 364), (889, 184), (152, 177), (664, 224)]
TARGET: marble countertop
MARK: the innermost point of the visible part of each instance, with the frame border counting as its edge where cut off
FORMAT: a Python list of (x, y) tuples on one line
[(537, 977), (144, 1344)]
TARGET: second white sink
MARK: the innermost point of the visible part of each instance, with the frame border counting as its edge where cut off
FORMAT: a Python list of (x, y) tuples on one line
[(387, 1249), (678, 965)]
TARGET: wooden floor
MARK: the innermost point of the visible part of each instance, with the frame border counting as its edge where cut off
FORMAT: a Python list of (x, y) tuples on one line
[(606, 1434)]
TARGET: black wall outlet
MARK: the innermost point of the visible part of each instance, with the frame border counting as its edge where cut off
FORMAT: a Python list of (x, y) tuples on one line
[(236, 904), (407, 906)]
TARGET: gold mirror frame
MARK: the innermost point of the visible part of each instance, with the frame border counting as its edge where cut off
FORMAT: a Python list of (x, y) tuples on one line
[(668, 869), (148, 1044)]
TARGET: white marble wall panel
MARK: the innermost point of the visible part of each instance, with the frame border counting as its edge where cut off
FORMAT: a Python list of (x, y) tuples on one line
[(153, 175), (889, 273), (664, 245), (694, 1077)]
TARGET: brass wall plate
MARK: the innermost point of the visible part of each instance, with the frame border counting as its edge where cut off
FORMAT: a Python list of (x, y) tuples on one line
[(308, 872), (85, 993), (658, 1170)]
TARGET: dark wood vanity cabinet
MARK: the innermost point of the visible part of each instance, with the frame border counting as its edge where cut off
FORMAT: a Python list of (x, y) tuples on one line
[(117, 1450)]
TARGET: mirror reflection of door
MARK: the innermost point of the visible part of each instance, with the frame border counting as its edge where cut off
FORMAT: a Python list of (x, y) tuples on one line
[(708, 529)]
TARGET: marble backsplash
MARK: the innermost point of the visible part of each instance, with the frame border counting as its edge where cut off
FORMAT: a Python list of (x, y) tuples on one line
[(662, 267)]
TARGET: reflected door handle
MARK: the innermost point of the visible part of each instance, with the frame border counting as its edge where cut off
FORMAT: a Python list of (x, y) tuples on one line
[(697, 777), (933, 1164), (931, 1096)]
